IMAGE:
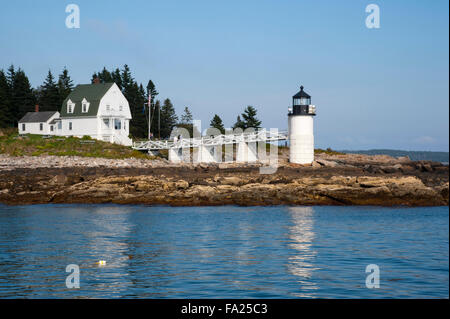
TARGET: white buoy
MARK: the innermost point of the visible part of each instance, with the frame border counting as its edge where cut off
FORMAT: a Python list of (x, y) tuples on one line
[(101, 262), (301, 129)]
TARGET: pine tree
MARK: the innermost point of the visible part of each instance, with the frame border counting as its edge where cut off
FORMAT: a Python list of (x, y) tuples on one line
[(48, 95), (250, 119), (105, 76), (5, 116), (126, 78), (20, 96), (23, 97), (168, 118), (135, 95), (93, 77), (186, 118), (65, 85), (142, 117), (239, 123), (156, 119), (152, 92), (117, 78), (217, 123)]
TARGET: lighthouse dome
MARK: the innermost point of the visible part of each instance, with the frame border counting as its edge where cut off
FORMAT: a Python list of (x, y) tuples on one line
[(301, 98), (301, 104)]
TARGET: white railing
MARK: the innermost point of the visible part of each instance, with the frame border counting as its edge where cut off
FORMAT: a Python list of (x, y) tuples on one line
[(259, 136)]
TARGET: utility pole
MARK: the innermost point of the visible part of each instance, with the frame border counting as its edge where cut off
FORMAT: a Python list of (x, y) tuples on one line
[(149, 114), (159, 121)]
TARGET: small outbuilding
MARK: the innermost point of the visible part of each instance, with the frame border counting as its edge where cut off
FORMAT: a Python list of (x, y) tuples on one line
[(38, 123)]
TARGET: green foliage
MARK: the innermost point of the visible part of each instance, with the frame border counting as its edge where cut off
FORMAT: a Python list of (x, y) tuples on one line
[(186, 118), (217, 123), (64, 86), (239, 123), (328, 151), (168, 118), (16, 96), (48, 95), (5, 114), (250, 119)]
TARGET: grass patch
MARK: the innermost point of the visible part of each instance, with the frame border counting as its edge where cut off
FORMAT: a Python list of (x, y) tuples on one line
[(35, 145), (328, 151)]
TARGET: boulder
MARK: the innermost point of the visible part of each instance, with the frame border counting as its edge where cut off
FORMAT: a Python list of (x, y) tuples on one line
[(327, 163)]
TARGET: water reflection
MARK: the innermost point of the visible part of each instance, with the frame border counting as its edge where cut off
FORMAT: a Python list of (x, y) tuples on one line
[(106, 239), (302, 263)]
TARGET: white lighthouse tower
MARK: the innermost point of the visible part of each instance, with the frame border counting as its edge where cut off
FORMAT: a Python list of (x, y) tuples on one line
[(301, 129)]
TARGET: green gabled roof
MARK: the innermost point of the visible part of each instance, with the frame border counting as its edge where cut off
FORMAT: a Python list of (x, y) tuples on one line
[(93, 93)]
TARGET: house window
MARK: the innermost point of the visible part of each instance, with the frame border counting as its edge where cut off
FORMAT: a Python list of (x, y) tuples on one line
[(41, 126), (23, 127), (117, 124), (70, 106), (120, 107), (125, 125), (51, 128), (84, 106), (59, 125), (70, 126), (106, 122), (107, 108)]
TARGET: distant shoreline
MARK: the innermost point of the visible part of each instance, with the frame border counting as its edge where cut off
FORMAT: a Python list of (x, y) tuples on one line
[(442, 157)]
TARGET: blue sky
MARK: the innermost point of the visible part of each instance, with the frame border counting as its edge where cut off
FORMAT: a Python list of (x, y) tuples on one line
[(373, 88)]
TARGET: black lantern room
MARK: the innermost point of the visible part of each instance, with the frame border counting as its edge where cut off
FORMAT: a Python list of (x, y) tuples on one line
[(301, 104)]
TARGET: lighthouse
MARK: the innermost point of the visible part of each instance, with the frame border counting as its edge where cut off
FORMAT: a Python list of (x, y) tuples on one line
[(301, 128)]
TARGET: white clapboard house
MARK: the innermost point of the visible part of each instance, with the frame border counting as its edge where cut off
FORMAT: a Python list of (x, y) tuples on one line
[(98, 110)]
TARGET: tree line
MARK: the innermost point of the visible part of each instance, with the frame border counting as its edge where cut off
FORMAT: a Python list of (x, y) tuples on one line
[(17, 97)]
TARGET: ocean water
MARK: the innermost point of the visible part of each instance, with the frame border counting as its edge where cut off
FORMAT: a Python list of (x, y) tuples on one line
[(223, 252)]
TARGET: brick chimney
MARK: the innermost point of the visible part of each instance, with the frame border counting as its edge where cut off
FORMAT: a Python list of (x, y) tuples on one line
[(36, 108), (96, 80)]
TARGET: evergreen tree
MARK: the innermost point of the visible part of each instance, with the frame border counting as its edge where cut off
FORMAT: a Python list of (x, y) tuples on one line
[(239, 123), (217, 123), (152, 92), (20, 95), (168, 118), (93, 77), (23, 97), (5, 116), (105, 76), (250, 119), (135, 95), (48, 95), (156, 119), (126, 78), (117, 78), (186, 118), (65, 85)]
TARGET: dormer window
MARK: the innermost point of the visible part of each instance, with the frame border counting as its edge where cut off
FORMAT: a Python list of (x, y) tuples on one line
[(70, 106), (84, 106)]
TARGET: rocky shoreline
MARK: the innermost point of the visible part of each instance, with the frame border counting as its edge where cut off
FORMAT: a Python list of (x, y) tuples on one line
[(331, 180)]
